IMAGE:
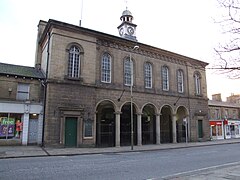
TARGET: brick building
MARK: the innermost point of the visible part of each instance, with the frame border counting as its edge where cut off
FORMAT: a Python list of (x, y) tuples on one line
[(224, 117), (21, 105), (90, 76)]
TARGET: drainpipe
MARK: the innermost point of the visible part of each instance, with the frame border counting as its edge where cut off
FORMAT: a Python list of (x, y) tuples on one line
[(188, 124), (45, 90)]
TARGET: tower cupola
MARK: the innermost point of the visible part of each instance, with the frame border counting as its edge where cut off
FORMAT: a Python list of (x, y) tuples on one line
[(127, 29)]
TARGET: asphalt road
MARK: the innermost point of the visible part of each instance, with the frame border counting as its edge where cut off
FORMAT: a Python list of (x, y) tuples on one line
[(131, 165)]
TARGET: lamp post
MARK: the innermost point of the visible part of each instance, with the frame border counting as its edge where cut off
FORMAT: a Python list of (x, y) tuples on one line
[(185, 122), (131, 86)]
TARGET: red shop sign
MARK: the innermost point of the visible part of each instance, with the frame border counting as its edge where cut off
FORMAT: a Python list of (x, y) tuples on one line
[(215, 123)]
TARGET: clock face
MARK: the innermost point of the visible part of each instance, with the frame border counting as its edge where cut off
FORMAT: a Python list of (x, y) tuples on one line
[(121, 31), (130, 30)]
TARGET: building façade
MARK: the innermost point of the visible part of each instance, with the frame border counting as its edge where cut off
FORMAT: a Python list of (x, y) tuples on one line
[(21, 105), (88, 88)]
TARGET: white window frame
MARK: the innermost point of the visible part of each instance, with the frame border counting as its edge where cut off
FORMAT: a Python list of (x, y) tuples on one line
[(197, 81), (180, 81), (128, 68), (74, 62), (106, 68), (165, 78), (148, 75)]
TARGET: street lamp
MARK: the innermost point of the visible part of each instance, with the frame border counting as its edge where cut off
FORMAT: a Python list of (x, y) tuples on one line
[(131, 86)]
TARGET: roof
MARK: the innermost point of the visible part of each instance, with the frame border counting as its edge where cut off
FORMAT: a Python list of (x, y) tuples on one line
[(78, 29), (223, 104), (126, 13), (23, 71)]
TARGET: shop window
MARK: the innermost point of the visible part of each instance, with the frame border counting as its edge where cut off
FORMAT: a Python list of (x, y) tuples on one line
[(23, 91), (236, 130), (219, 130), (10, 126), (214, 131)]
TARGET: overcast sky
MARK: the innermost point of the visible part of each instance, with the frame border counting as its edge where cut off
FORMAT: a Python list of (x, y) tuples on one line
[(182, 26)]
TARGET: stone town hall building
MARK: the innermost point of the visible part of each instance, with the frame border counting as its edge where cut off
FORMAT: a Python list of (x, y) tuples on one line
[(88, 88)]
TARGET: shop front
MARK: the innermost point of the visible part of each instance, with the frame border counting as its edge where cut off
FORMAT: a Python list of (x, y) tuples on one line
[(216, 129), (232, 128), (20, 123)]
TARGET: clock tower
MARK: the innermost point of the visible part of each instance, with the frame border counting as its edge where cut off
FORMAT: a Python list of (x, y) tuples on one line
[(127, 29)]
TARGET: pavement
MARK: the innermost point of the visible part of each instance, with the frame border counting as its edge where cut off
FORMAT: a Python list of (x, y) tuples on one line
[(226, 171)]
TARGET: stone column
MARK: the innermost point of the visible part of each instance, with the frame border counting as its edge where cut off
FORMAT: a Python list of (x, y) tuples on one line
[(25, 128), (40, 128), (174, 130), (98, 126), (117, 129), (139, 129), (158, 136)]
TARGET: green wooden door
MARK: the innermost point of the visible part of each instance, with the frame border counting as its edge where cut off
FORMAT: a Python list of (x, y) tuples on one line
[(200, 129), (71, 132)]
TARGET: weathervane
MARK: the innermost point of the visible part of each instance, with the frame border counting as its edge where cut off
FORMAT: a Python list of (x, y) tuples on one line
[(126, 2)]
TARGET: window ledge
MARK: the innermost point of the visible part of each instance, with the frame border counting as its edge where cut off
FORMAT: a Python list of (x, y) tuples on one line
[(73, 78)]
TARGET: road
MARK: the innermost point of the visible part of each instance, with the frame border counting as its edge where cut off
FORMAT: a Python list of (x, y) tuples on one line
[(131, 165)]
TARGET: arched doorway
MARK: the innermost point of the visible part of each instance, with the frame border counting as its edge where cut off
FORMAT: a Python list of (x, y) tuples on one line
[(181, 125), (125, 125), (166, 125), (105, 126), (148, 125)]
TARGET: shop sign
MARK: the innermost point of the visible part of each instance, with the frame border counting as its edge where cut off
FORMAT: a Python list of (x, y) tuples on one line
[(231, 122), (215, 123), (7, 126)]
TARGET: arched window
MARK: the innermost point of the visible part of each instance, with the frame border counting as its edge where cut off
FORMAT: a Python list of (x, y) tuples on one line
[(74, 62), (165, 78), (148, 75), (180, 81), (106, 68), (128, 68), (197, 81)]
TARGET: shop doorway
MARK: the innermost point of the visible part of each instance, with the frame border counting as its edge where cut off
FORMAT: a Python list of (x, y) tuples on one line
[(71, 131), (33, 131)]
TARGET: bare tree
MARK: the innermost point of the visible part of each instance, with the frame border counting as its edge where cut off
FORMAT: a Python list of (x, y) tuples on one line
[(228, 51)]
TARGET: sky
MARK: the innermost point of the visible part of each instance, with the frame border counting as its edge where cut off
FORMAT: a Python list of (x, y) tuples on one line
[(185, 27)]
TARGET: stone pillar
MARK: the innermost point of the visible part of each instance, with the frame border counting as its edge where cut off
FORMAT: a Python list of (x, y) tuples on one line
[(174, 130), (40, 128), (158, 136), (98, 126), (139, 129), (117, 129), (25, 128)]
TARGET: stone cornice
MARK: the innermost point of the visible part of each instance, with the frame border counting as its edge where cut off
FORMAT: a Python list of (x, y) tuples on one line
[(152, 52)]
